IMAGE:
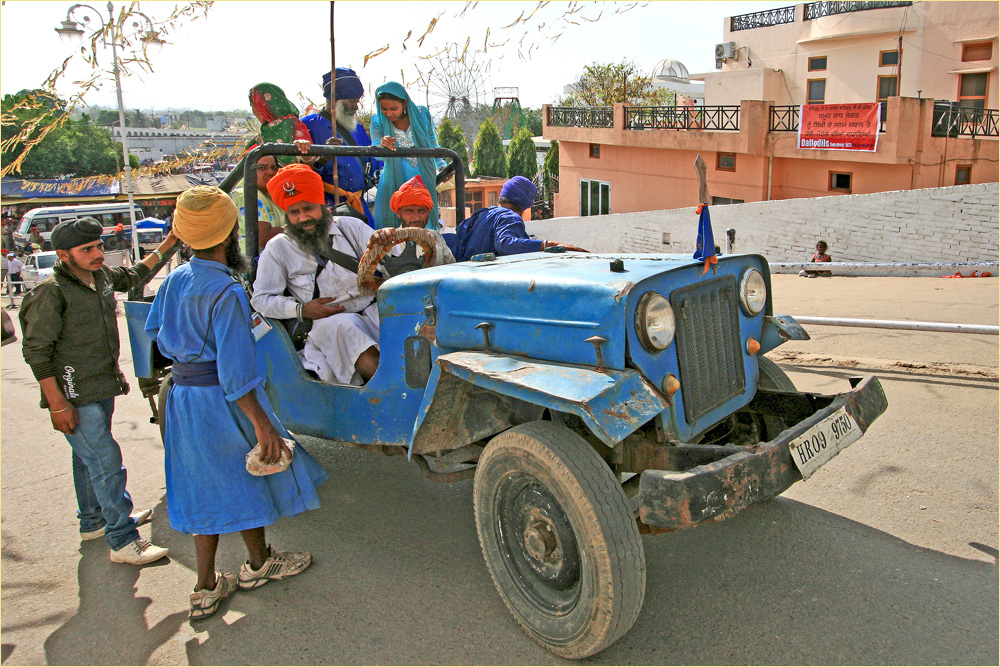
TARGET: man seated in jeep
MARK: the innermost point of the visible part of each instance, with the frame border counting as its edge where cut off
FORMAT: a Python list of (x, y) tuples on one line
[(309, 273), (412, 203), (499, 229)]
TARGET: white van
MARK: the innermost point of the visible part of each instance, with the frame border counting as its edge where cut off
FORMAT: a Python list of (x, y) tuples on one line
[(46, 218)]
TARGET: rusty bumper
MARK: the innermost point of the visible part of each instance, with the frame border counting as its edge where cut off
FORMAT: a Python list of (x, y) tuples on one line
[(723, 488)]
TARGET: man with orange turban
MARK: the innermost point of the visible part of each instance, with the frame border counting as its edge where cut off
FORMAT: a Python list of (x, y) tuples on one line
[(309, 273), (200, 320), (412, 203)]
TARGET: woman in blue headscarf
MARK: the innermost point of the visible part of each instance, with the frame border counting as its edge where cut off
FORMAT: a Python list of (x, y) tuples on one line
[(399, 123)]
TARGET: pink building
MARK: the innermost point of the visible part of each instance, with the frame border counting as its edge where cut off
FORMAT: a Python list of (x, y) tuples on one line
[(939, 126)]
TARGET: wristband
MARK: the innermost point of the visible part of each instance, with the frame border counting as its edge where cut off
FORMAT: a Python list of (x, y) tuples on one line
[(159, 255), (298, 312), (55, 412)]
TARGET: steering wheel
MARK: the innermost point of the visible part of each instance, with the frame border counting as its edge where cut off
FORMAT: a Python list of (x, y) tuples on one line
[(408, 261)]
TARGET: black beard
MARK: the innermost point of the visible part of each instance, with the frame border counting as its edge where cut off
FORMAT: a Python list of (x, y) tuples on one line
[(235, 260), (316, 241)]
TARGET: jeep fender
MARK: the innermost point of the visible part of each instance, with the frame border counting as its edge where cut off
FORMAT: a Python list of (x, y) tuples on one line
[(779, 329), (474, 395)]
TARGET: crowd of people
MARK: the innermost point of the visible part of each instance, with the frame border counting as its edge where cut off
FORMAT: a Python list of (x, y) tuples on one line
[(311, 237)]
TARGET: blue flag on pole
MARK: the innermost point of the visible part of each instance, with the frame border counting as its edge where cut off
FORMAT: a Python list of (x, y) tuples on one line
[(706, 240)]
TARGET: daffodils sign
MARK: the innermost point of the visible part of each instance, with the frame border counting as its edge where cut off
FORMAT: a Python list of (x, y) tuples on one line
[(839, 127)]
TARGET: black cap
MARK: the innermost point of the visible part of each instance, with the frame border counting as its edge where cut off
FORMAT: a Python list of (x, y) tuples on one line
[(72, 233)]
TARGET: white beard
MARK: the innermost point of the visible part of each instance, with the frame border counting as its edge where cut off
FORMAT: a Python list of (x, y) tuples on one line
[(344, 119)]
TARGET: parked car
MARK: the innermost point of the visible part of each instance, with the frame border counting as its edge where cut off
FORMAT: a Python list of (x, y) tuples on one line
[(591, 397), (46, 218), (37, 267)]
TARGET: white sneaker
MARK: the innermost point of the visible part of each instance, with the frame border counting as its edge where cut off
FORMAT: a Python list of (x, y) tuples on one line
[(140, 516), (206, 602), (138, 552)]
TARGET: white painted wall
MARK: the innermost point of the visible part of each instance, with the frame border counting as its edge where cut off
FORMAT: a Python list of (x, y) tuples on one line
[(958, 223)]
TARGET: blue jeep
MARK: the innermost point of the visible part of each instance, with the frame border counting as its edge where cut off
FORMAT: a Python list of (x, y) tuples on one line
[(592, 398)]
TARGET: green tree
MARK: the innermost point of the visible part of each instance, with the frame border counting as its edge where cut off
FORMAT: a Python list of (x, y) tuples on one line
[(451, 136), (609, 83), (533, 117), (71, 148), (521, 158), (488, 157), (550, 168)]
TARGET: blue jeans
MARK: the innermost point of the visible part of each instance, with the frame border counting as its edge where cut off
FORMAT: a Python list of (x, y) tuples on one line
[(99, 476)]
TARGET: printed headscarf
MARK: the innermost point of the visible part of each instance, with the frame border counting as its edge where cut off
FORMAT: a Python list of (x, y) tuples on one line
[(279, 118)]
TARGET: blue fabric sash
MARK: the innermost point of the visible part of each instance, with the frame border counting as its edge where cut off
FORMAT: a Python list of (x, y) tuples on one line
[(195, 374)]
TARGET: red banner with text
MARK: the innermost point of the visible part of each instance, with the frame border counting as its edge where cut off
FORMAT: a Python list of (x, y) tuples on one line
[(840, 127)]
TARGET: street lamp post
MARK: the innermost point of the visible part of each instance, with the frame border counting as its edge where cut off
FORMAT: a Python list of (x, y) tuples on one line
[(72, 33)]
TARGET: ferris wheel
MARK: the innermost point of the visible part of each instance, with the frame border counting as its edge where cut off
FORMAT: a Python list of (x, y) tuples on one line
[(456, 84)]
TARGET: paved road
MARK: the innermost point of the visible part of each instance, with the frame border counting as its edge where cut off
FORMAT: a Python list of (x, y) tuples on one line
[(887, 556)]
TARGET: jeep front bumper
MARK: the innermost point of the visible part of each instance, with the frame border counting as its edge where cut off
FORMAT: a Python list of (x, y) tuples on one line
[(722, 488)]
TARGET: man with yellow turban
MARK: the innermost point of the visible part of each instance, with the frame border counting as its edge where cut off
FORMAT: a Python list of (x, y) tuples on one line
[(310, 273), (217, 410), (412, 202)]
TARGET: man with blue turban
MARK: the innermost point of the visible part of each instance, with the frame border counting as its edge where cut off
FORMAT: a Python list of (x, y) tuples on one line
[(355, 175), (500, 229)]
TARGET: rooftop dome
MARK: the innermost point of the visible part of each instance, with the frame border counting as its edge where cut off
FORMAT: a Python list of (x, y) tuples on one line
[(671, 70)]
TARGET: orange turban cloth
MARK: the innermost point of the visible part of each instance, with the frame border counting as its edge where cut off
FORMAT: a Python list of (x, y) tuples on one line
[(204, 217), (411, 193), (295, 183)]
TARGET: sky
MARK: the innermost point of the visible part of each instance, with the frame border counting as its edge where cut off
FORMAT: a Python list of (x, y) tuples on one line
[(210, 63)]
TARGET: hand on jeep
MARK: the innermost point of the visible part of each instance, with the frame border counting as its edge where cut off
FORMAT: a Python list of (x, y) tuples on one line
[(385, 236), (317, 309), (568, 247), (304, 145)]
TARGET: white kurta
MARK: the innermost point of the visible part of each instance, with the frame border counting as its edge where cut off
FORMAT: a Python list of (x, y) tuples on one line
[(334, 343)]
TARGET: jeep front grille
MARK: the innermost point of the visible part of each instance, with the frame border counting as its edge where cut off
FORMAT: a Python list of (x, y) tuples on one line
[(708, 344)]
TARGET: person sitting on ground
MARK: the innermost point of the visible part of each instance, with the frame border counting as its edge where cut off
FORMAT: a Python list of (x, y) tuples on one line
[(299, 277), (820, 256), (499, 229), (412, 202), (270, 218)]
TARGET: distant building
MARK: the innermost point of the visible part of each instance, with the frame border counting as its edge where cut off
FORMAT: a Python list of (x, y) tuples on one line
[(151, 144), (932, 65), (673, 75)]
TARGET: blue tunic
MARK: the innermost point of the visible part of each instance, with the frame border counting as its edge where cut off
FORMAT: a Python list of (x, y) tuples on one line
[(495, 229), (350, 170), (209, 490)]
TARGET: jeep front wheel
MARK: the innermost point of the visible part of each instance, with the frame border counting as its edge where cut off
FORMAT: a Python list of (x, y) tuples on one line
[(558, 538)]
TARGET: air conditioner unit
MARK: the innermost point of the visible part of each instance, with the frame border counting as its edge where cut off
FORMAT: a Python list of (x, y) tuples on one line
[(725, 50), (718, 63)]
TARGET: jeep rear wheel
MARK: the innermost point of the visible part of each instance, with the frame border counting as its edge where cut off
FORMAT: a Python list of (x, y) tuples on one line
[(558, 538)]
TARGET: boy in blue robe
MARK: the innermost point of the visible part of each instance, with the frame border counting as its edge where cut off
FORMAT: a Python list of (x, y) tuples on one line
[(217, 410)]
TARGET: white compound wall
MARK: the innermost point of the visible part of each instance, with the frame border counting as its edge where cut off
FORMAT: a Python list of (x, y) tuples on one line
[(957, 224)]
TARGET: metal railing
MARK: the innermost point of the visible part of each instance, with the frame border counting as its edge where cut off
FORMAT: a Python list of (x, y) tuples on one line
[(680, 118), (762, 19), (785, 118), (815, 10), (581, 116), (954, 121)]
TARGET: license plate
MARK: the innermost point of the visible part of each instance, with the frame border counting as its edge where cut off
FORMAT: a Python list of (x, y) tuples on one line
[(823, 441)]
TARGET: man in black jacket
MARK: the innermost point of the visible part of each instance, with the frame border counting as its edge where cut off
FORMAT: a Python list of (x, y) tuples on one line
[(71, 344)]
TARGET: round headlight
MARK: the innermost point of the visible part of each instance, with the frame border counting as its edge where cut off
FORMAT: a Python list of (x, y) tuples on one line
[(654, 322), (753, 292)]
